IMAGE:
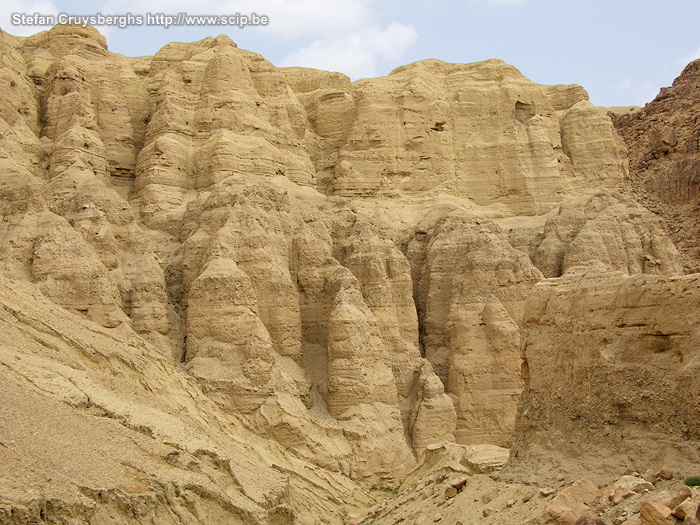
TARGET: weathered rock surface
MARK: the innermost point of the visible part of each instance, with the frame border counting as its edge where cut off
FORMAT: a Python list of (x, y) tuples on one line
[(264, 292), (611, 365), (111, 432), (480, 131), (633, 483), (663, 140), (607, 231), (572, 503), (471, 294), (654, 513), (674, 497)]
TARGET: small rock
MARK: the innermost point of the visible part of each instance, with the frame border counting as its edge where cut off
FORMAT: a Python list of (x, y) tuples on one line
[(687, 508), (528, 496), (487, 512), (633, 520), (620, 494), (665, 473), (437, 518), (450, 492), (572, 502), (484, 459), (547, 492), (649, 476), (354, 518), (458, 483), (511, 502), (488, 496), (674, 497), (634, 483), (655, 513)]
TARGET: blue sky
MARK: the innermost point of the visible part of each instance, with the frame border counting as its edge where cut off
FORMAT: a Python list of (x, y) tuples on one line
[(621, 51)]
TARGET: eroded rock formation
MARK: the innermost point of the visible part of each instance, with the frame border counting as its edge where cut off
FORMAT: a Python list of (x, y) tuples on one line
[(663, 139), (612, 365), (279, 289)]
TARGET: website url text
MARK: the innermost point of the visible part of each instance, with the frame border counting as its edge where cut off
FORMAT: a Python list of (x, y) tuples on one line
[(149, 19)]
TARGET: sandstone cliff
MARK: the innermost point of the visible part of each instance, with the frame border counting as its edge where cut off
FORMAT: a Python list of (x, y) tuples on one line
[(282, 292), (480, 131), (612, 365)]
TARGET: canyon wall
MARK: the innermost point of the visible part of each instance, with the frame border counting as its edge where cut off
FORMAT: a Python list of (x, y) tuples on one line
[(322, 277), (611, 375)]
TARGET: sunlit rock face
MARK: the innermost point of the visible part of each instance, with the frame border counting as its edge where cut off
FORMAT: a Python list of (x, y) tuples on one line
[(278, 289)]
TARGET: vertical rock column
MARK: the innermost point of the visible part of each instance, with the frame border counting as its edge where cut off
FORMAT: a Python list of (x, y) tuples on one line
[(471, 294)]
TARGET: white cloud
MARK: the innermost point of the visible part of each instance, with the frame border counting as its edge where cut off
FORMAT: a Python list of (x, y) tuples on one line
[(288, 18), (625, 85), (357, 53), (27, 7), (685, 60)]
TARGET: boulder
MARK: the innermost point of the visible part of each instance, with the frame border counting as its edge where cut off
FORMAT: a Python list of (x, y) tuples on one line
[(655, 513), (572, 503), (673, 497)]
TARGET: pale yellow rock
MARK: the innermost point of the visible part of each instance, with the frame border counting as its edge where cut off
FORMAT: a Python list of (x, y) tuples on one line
[(654, 513), (272, 289), (434, 419), (247, 122), (665, 473), (671, 498), (69, 273), (620, 494), (285, 416), (87, 156), (607, 231), (266, 297), (489, 495), (597, 330), (634, 484), (331, 110), (206, 268), (471, 293), (483, 459), (434, 126), (650, 476), (113, 396), (572, 503), (687, 509)]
